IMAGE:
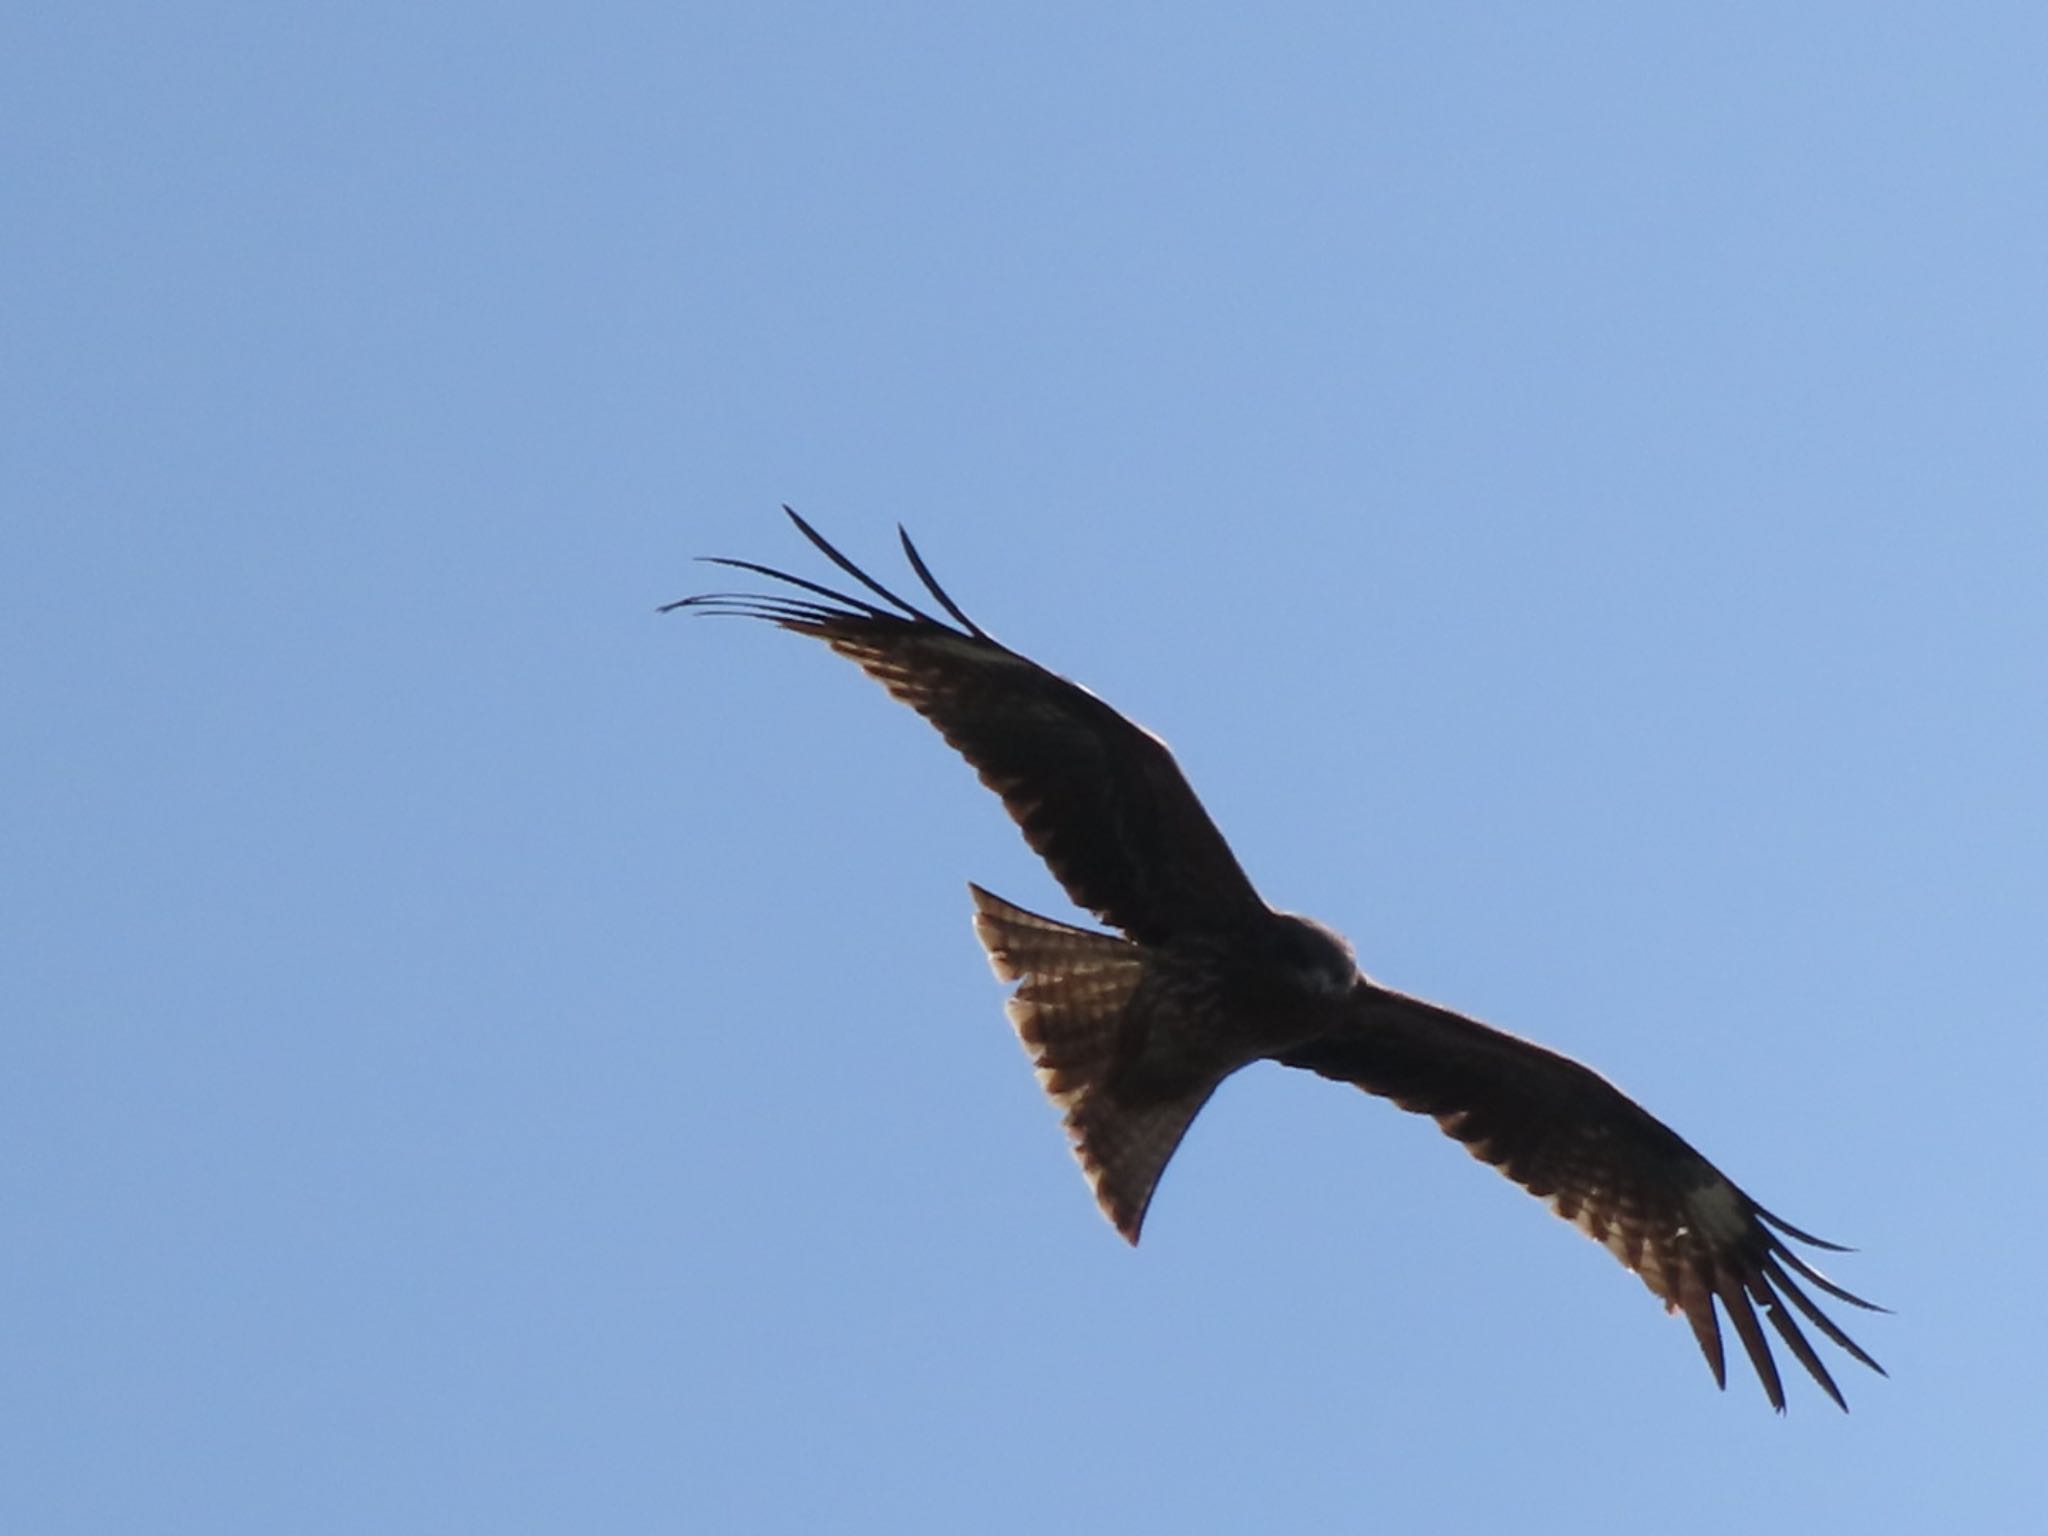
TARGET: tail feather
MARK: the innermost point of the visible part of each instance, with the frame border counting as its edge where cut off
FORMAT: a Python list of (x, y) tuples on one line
[(1070, 1013)]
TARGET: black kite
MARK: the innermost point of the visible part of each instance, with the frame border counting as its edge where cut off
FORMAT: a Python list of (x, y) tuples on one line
[(1132, 1034)]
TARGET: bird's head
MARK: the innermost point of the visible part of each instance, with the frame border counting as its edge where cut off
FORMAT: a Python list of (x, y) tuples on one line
[(1319, 958)]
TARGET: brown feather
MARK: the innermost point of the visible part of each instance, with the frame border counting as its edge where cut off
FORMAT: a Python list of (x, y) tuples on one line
[(1624, 1178), (1100, 799), (1071, 1012)]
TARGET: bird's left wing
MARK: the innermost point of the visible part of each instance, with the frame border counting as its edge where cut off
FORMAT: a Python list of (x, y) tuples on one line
[(1100, 799), (1601, 1161)]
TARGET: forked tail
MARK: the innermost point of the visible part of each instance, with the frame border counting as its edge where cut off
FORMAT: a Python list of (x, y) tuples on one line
[(1072, 1013)]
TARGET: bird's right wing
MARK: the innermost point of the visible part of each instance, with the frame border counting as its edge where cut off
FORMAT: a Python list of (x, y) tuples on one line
[(1100, 799), (1601, 1161)]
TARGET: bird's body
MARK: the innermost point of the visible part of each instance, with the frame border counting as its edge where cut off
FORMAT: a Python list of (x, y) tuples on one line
[(1132, 1032)]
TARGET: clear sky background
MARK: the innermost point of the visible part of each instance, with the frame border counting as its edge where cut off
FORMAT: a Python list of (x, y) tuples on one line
[(1570, 481)]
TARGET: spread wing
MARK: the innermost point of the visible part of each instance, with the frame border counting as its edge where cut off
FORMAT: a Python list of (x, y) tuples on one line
[(1604, 1163), (1099, 799)]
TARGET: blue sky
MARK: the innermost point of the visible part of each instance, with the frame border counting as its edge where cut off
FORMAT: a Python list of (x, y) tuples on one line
[(1569, 482)]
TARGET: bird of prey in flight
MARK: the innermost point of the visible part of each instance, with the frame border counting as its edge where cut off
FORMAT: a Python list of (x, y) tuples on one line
[(1132, 1031)]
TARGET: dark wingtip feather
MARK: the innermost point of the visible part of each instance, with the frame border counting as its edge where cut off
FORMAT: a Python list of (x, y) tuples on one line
[(1698, 1308), (708, 601), (1735, 1302), (796, 613), (1804, 1352), (788, 612), (825, 548), (1808, 1272), (931, 585), (1773, 1270), (1807, 1238)]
